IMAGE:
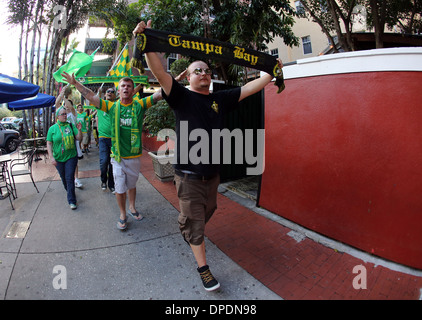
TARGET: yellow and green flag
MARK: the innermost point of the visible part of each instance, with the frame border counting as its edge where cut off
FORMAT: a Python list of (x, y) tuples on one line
[(123, 68)]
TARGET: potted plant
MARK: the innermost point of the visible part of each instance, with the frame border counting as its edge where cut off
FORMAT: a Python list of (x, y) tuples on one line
[(160, 122)]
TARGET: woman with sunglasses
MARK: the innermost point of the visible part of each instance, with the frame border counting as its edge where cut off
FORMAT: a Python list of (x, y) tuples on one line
[(71, 118), (61, 147)]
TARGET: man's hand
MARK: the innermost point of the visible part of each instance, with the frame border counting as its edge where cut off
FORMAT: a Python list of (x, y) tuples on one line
[(140, 28), (258, 84), (85, 92), (280, 63), (182, 75), (69, 78), (154, 62)]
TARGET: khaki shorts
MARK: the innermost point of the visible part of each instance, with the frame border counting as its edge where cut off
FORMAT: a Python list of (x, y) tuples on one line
[(85, 138), (126, 173), (198, 201)]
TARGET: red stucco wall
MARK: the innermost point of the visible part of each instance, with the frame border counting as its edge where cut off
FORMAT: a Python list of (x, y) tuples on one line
[(152, 144), (344, 158)]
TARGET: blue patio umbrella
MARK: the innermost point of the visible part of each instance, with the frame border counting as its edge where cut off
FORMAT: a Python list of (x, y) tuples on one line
[(41, 100), (12, 89)]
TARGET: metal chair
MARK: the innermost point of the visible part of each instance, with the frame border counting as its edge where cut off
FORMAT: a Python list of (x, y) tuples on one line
[(20, 167), (6, 190)]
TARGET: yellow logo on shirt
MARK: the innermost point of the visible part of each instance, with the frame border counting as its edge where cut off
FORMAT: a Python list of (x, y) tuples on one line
[(214, 106)]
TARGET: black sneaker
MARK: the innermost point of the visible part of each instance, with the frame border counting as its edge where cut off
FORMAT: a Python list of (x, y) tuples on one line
[(208, 280), (104, 186)]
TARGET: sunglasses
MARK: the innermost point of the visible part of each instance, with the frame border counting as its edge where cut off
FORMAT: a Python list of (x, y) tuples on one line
[(62, 114), (110, 91), (199, 71)]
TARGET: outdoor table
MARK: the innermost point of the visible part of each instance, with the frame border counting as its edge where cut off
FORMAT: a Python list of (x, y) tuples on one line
[(4, 161), (5, 158), (35, 143)]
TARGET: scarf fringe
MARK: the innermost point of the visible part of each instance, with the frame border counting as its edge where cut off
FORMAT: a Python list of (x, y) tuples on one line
[(137, 63)]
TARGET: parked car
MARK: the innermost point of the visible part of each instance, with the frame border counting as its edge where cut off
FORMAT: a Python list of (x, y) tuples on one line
[(17, 121), (9, 139), (10, 125), (8, 119)]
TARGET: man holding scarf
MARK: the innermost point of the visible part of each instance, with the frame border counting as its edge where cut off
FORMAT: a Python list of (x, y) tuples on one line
[(126, 121), (197, 183)]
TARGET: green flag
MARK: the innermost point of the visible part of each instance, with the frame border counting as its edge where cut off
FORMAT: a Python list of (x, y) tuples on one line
[(79, 64)]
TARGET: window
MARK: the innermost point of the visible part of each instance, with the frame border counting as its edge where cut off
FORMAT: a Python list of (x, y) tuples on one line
[(274, 52), (170, 59), (299, 8), (335, 39), (307, 47)]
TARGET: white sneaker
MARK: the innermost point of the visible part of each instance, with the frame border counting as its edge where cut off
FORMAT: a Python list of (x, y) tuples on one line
[(78, 183)]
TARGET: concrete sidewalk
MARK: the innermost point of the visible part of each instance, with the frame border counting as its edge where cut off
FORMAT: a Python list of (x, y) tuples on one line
[(253, 253), (148, 261)]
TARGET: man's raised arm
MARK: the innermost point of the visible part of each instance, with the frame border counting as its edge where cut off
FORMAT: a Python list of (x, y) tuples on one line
[(154, 62), (257, 84), (60, 97), (85, 92)]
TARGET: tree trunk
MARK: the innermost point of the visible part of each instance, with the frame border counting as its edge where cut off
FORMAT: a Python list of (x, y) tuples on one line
[(20, 52), (378, 23), (44, 72), (64, 50), (341, 39), (321, 24), (28, 28), (34, 36)]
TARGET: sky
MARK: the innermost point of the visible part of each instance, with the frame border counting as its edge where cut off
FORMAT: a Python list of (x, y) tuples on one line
[(9, 39), (9, 42)]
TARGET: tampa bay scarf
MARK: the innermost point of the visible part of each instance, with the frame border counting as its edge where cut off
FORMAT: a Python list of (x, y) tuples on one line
[(162, 41), (135, 137), (68, 141)]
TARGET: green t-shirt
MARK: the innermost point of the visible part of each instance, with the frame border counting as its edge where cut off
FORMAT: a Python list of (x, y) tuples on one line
[(104, 126), (125, 122), (63, 140), (82, 118)]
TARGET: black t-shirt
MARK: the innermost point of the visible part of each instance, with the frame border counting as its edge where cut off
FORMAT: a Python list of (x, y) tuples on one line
[(205, 113)]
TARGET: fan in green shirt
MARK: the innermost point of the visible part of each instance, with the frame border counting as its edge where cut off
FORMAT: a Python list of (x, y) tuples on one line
[(61, 149), (62, 140), (82, 117), (126, 120)]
